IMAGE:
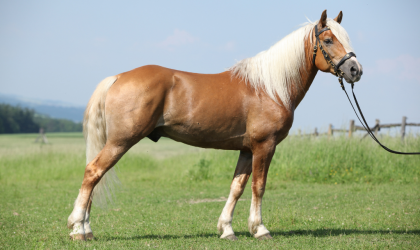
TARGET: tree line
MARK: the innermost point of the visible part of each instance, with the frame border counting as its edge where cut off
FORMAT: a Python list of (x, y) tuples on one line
[(15, 119)]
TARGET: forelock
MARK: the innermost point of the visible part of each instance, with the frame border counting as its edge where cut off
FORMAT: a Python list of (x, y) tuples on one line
[(341, 34)]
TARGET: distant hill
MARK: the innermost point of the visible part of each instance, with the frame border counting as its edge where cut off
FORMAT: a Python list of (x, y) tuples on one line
[(53, 109), (16, 119)]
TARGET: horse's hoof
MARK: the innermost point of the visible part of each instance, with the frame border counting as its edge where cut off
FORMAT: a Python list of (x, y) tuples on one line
[(78, 237), (231, 237), (265, 237), (89, 236)]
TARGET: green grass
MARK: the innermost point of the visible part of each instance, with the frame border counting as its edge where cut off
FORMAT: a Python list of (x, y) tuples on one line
[(320, 195)]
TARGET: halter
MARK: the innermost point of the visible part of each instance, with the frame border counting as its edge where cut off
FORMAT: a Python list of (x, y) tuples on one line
[(337, 71)]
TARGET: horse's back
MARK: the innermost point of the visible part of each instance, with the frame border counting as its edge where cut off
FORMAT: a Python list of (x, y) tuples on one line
[(218, 93)]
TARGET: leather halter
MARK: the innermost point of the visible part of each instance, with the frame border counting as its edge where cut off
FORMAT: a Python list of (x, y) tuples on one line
[(337, 71)]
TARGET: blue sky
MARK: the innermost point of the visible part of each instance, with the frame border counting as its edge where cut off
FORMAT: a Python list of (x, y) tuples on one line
[(60, 50)]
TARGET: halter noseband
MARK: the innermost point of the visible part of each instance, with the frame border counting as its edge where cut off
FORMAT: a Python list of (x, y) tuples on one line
[(337, 71)]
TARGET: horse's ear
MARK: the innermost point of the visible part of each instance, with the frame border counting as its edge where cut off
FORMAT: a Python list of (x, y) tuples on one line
[(323, 20), (339, 17)]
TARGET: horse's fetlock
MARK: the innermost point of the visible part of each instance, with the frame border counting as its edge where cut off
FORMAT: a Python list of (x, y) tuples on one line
[(225, 227), (253, 225)]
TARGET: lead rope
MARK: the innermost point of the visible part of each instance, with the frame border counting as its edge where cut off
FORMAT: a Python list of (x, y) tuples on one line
[(365, 125)]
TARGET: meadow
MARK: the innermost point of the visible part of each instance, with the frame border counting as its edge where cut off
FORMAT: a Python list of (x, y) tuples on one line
[(321, 194)]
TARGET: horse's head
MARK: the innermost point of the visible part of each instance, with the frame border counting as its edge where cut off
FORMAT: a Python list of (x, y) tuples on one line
[(332, 51)]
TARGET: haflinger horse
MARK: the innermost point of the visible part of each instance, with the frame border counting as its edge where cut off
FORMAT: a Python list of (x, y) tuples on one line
[(249, 108)]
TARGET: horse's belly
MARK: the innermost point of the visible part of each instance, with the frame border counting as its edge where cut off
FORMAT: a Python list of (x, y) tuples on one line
[(229, 140)]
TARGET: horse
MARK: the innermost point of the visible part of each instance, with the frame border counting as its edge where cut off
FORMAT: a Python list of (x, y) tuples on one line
[(249, 108)]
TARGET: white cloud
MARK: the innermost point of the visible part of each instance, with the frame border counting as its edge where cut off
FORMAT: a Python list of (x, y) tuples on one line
[(405, 67), (178, 38)]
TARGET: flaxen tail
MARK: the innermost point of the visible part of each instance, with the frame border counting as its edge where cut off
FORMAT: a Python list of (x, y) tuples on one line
[(94, 130)]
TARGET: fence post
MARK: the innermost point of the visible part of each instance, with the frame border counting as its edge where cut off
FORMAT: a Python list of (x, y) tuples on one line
[(377, 127), (403, 124), (42, 136), (330, 131), (351, 128), (316, 132)]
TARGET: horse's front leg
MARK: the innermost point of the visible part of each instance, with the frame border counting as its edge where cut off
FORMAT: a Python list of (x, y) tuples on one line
[(240, 178), (262, 155)]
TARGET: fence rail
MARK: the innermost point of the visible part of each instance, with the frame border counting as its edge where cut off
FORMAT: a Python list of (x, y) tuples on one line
[(354, 128)]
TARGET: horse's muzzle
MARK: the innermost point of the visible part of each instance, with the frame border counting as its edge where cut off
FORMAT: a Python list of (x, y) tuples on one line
[(352, 70)]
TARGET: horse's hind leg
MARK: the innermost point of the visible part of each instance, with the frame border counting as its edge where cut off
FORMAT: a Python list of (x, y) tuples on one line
[(240, 178), (105, 160), (88, 230)]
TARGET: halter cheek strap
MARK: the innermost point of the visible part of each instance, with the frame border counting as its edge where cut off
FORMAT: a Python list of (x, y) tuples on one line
[(318, 41)]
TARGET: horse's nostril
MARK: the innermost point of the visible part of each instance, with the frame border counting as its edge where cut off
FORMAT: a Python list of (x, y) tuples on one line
[(353, 71)]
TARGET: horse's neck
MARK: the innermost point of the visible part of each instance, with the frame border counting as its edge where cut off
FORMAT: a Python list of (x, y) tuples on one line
[(308, 73)]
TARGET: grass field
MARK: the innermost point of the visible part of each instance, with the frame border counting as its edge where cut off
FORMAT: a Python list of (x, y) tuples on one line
[(338, 194)]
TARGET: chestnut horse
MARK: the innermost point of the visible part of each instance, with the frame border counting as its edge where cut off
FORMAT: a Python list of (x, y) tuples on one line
[(249, 108)]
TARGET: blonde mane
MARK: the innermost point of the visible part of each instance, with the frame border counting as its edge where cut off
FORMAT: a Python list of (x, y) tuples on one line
[(276, 69)]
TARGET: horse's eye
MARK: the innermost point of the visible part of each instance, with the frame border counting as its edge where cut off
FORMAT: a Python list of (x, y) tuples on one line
[(328, 41)]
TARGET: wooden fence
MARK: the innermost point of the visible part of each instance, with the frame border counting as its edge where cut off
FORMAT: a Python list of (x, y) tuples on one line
[(353, 128)]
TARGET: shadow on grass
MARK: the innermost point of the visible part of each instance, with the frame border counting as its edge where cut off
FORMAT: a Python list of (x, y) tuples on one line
[(315, 232), (337, 232)]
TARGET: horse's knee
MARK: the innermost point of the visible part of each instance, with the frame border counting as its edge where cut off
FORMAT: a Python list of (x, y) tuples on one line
[(236, 190), (258, 189), (238, 184)]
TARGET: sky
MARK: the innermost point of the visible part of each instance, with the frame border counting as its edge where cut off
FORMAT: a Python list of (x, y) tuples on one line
[(60, 50)]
